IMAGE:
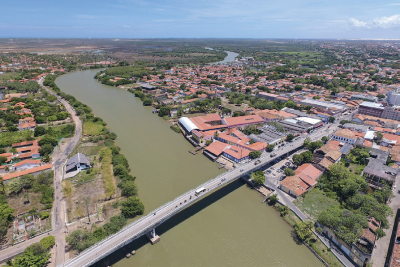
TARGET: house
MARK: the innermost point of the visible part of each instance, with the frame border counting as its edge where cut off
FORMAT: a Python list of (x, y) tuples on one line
[(215, 149), (78, 162), (308, 171), (27, 126), (236, 154), (293, 185), (33, 171), (242, 121), (27, 164), (344, 136)]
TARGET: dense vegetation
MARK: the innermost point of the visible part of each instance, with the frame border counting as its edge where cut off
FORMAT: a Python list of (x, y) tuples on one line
[(356, 203), (36, 254)]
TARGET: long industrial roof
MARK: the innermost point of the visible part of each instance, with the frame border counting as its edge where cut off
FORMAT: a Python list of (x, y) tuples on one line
[(188, 124)]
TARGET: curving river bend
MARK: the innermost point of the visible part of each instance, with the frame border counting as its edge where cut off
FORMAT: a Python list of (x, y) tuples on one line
[(229, 228)]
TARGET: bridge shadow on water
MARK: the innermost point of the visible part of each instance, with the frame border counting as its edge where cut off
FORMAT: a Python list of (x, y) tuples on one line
[(172, 222)]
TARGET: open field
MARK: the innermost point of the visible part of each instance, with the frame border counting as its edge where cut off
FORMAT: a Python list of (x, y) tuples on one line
[(92, 128), (314, 202)]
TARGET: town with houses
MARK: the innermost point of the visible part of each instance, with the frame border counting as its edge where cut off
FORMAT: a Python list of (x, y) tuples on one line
[(235, 113)]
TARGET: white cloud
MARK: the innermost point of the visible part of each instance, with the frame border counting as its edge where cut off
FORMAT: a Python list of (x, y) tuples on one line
[(383, 22), (126, 26)]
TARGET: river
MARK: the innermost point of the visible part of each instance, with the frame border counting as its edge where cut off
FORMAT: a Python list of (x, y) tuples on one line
[(229, 58), (228, 228)]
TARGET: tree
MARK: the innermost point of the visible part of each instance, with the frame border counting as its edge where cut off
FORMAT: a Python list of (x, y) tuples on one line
[(39, 131), (270, 147), (2, 184), (258, 177), (380, 96), (284, 210), (380, 233), (164, 111), (132, 207), (331, 119), (289, 172), (147, 102), (378, 136), (298, 159), (298, 87), (304, 229), (325, 139), (129, 188), (255, 154), (46, 149), (3, 160), (307, 156), (289, 137), (273, 199)]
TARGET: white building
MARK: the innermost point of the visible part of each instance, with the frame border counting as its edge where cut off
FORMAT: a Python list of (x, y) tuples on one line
[(344, 136)]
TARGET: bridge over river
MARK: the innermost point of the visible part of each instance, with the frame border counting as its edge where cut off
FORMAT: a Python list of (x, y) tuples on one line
[(147, 224)]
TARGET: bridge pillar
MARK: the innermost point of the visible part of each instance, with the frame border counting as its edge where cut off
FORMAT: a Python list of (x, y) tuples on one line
[(153, 237)]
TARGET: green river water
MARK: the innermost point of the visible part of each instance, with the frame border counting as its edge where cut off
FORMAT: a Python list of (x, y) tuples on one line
[(228, 228)]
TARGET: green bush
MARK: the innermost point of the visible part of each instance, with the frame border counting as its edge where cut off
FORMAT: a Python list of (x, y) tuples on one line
[(48, 241), (44, 215)]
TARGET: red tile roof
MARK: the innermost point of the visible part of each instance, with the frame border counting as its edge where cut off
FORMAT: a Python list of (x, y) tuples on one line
[(28, 171), (249, 119), (216, 147)]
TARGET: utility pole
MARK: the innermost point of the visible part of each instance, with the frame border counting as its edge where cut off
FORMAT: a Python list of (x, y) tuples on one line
[(87, 209)]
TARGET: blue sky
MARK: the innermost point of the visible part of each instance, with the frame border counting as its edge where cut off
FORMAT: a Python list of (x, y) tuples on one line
[(351, 19)]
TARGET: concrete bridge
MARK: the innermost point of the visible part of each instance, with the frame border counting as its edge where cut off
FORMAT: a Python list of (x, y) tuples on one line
[(147, 224)]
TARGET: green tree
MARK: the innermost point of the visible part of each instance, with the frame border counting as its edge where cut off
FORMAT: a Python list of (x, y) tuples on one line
[(298, 159), (325, 139), (3, 160), (147, 102), (132, 207), (270, 147), (273, 199), (164, 111), (255, 154), (378, 136), (289, 137), (307, 156), (304, 230), (289, 172), (129, 188), (331, 119), (284, 210), (298, 87), (39, 131), (258, 177), (46, 149)]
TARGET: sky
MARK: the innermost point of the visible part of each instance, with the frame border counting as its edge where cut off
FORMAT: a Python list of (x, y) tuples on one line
[(340, 19)]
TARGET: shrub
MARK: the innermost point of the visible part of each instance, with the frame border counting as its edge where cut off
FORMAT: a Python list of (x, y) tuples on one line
[(44, 215), (48, 241)]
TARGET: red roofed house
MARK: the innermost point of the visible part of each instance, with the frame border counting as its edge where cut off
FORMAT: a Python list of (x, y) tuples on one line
[(33, 171), (27, 164), (242, 121), (293, 185), (309, 174)]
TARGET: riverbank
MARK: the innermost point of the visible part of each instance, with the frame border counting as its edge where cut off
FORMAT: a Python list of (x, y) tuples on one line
[(97, 186)]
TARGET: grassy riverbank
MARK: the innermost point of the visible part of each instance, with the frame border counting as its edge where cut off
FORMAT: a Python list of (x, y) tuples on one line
[(97, 193)]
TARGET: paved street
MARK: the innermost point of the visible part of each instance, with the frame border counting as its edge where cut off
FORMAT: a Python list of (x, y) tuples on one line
[(59, 212)]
